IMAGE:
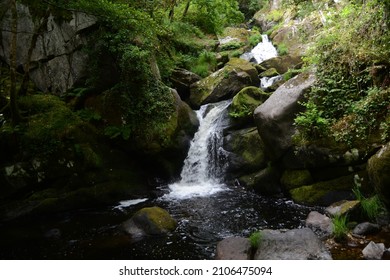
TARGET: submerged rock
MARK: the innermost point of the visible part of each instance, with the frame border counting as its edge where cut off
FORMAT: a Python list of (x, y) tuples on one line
[(295, 244), (233, 248)]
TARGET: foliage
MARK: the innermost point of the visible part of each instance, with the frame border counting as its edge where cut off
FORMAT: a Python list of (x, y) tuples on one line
[(311, 123), (205, 64), (255, 39), (372, 207), (255, 239), (231, 46), (340, 227), (282, 49), (351, 96)]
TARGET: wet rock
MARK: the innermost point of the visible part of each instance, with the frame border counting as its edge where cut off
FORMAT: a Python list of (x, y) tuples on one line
[(374, 251), (386, 255), (366, 228), (319, 223), (295, 244), (265, 181), (233, 248), (275, 117), (379, 173), (343, 207), (281, 64), (225, 83), (149, 221)]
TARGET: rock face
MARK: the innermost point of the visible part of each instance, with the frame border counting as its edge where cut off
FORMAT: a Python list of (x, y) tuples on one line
[(275, 117), (295, 244), (58, 61), (182, 80), (225, 83), (233, 248), (149, 221), (379, 173)]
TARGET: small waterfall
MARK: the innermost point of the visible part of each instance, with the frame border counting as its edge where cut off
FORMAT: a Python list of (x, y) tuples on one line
[(264, 50), (203, 168), (267, 82)]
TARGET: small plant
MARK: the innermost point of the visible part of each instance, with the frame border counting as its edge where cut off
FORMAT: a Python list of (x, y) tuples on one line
[(282, 49), (340, 228), (255, 239), (255, 39)]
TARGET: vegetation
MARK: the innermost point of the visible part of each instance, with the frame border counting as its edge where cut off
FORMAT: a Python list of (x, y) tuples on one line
[(351, 97), (340, 228), (255, 239)]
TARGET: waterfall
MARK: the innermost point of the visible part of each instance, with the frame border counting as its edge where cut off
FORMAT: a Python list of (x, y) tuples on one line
[(203, 168), (264, 50)]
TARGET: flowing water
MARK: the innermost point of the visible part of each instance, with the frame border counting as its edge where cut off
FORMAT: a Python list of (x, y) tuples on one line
[(207, 210), (262, 51)]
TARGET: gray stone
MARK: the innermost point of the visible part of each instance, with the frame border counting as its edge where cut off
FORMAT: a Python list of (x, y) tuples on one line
[(275, 117), (57, 61), (295, 244), (233, 248), (343, 207), (366, 228), (319, 223), (374, 251)]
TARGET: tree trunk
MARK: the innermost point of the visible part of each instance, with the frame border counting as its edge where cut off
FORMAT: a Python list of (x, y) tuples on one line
[(15, 114)]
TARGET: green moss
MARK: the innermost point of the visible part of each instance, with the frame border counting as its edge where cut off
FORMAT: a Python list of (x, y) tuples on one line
[(269, 73), (154, 220), (315, 193), (295, 178), (246, 101)]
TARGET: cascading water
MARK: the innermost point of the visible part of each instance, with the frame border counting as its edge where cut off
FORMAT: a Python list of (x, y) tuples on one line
[(203, 168), (262, 51)]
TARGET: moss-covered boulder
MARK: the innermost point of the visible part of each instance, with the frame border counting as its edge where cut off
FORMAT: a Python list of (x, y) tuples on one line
[(379, 173), (245, 102), (233, 38), (271, 72), (292, 179), (244, 151), (265, 181), (149, 221), (281, 64), (225, 83), (327, 192)]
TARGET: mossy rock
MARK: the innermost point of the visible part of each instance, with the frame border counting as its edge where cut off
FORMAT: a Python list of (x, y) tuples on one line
[(151, 221), (225, 83), (325, 193), (272, 72), (379, 173), (292, 179), (343, 207), (246, 101)]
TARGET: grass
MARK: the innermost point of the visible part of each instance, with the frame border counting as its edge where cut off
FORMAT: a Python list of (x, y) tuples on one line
[(255, 239), (372, 207), (340, 228)]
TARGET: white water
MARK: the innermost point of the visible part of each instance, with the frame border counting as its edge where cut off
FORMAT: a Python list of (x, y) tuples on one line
[(202, 172), (267, 82), (264, 50)]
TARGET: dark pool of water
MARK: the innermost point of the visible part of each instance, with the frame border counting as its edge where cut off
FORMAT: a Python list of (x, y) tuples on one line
[(96, 233)]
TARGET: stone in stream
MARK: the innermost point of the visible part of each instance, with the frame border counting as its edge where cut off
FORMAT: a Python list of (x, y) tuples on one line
[(319, 223), (233, 248), (366, 228), (295, 244), (374, 251), (149, 221)]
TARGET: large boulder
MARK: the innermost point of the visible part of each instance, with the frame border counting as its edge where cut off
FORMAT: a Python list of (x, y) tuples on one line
[(58, 62), (245, 151), (281, 64), (265, 181), (295, 244), (379, 173), (275, 117), (225, 83)]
